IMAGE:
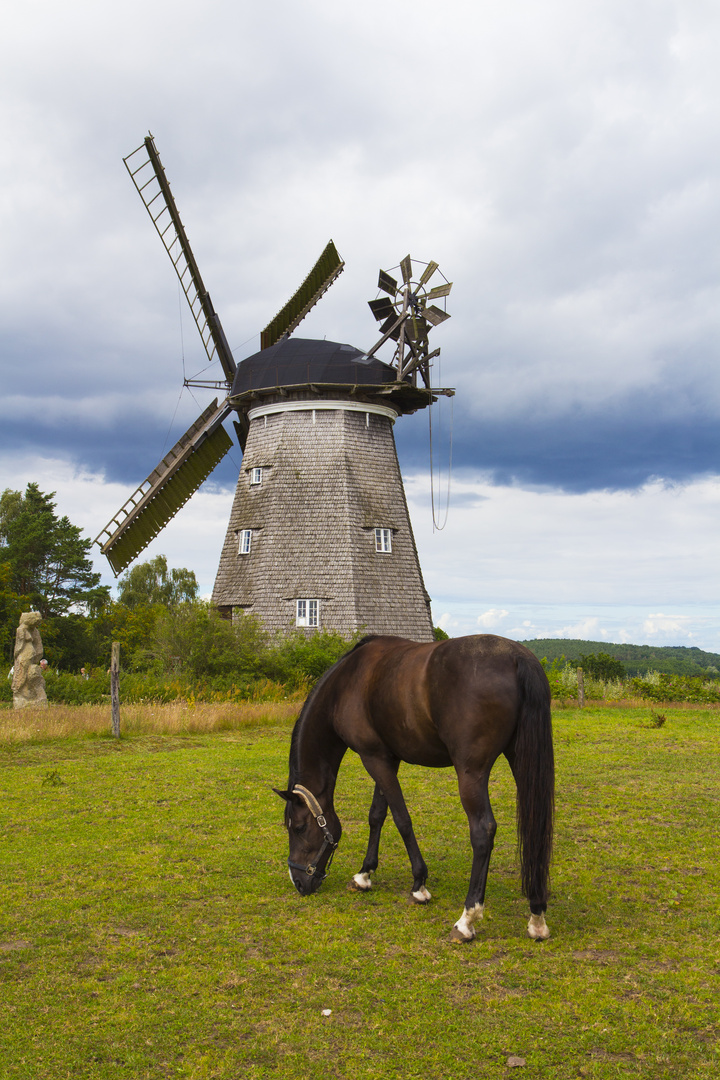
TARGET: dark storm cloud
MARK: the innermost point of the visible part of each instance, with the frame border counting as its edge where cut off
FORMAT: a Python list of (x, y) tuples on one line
[(125, 452), (575, 453)]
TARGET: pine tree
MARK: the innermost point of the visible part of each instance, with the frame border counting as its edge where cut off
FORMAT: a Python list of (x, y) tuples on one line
[(48, 560)]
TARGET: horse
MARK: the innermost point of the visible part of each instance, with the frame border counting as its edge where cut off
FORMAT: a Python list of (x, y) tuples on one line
[(460, 702)]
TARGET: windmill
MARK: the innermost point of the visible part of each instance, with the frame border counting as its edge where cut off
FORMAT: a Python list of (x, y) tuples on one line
[(319, 534)]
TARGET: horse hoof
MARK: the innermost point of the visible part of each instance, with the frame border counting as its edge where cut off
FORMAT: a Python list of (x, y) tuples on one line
[(360, 883), (458, 938), (421, 896), (538, 929)]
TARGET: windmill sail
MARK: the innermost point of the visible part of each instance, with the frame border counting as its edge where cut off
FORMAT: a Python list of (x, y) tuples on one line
[(148, 176), (167, 488), (326, 269)]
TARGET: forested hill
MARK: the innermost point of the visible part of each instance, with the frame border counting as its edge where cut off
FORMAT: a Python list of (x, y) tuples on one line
[(637, 659)]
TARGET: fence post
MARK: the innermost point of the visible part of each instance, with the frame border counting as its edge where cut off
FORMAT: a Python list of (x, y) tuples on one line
[(581, 688), (115, 688)]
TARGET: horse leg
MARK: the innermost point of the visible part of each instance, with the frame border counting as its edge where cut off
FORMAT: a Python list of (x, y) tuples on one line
[(376, 820), (476, 803), (384, 773)]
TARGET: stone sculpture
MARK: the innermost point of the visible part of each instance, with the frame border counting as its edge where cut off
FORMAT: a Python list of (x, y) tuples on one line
[(28, 685)]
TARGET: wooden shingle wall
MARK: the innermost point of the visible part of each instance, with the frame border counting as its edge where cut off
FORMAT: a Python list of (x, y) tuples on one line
[(329, 479)]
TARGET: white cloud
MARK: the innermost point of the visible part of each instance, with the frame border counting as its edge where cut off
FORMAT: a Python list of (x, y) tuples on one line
[(668, 626), (655, 546), (591, 566), (568, 188), (193, 538), (587, 630), (493, 617)]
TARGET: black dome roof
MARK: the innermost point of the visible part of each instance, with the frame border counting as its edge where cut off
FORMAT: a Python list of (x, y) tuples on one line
[(299, 361)]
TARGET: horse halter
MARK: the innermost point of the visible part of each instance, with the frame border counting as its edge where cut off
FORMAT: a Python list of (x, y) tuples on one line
[(328, 842)]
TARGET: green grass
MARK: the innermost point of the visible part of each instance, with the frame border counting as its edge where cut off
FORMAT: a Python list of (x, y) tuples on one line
[(148, 928)]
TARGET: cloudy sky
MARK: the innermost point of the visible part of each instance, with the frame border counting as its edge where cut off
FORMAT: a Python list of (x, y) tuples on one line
[(558, 159)]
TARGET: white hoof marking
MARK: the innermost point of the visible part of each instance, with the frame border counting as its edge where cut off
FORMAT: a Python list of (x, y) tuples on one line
[(538, 929), (421, 896), (465, 925), (362, 882)]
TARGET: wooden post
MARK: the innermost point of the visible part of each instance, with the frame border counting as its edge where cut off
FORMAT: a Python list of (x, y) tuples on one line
[(581, 688), (115, 688)]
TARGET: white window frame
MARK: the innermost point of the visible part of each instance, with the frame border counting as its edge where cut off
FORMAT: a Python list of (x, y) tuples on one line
[(383, 541), (244, 541), (307, 613), (256, 477)]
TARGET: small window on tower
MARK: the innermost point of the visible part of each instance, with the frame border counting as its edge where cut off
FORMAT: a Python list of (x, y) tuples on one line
[(383, 540), (307, 612), (255, 477), (244, 538)]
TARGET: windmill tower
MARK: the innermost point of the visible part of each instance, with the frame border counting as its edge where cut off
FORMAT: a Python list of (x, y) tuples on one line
[(319, 534)]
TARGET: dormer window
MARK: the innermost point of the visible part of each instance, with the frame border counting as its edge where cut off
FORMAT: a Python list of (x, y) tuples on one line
[(255, 477), (383, 541), (244, 540)]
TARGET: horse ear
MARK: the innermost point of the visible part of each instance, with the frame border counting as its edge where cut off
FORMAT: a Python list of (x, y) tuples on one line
[(286, 795)]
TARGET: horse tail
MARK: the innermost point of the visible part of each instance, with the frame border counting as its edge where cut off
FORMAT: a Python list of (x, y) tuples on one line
[(533, 766)]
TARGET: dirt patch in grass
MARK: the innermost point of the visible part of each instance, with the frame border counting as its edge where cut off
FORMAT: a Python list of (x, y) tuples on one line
[(599, 956), (605, 1055)]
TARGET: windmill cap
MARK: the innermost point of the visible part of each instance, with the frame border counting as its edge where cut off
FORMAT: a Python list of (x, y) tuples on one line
[(320, 367), (299, 361)]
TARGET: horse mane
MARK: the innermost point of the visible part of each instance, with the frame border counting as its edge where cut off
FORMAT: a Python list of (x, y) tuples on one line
[(309, 702)]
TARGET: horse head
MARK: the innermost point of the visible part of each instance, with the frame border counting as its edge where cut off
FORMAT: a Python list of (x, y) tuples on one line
[(313, 838)]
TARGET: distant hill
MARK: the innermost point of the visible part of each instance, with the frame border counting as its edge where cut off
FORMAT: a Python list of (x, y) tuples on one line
[(637, 659)]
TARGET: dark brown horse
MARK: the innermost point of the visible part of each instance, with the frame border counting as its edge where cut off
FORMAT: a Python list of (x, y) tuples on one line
[(460, 702)]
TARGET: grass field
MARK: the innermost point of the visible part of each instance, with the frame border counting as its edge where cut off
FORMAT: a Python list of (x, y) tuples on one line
[(148, 928)]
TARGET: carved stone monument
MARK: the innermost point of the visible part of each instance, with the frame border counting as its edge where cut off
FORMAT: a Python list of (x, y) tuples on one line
[(28, 685)]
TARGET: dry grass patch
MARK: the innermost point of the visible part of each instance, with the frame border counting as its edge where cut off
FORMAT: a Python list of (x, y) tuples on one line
[(177, 718)]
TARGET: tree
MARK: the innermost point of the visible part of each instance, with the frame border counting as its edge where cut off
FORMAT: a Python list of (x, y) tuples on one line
[(10, 608), (48, 561), (150, 583), (195, 639), (602, 666)]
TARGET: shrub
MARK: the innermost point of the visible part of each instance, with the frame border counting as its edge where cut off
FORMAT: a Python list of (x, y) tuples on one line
[(662, 687), (299, 659), (562, 678)]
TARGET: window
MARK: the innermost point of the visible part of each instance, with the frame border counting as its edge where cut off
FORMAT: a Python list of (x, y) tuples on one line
[(307, 612), (255, 477), (383, 540), (244, 538)]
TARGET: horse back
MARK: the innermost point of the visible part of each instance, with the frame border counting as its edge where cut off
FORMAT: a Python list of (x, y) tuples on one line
[(432, 704), (383, 704)]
